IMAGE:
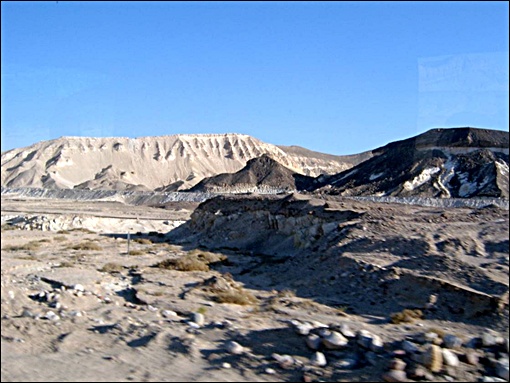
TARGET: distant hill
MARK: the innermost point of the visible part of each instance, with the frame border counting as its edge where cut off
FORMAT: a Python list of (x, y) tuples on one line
[(260, 174), (164, 163), (458, 162)]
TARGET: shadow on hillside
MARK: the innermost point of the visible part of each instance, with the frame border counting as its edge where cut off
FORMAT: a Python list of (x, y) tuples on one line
[(364, 290)]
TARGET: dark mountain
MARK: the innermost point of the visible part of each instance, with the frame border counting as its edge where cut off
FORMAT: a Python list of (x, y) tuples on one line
[(458, 162), (260, 174)]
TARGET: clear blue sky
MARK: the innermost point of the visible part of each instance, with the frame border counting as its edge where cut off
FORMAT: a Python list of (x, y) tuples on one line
[(335, 77)]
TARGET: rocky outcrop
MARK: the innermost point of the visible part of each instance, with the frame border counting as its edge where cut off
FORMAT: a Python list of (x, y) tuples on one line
[(444, 163), (262, 174), (350, 256)]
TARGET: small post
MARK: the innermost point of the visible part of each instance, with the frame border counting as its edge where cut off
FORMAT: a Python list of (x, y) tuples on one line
[(128, 237)]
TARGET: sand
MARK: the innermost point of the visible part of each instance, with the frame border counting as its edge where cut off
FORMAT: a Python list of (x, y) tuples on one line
[(119, 318)]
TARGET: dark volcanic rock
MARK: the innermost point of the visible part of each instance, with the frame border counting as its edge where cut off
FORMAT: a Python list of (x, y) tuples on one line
[(260, 174), (461, 162)]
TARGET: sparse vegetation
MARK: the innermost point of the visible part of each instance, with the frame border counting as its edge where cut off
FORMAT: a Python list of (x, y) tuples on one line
[(192, 261), (238, 296), (84, 230), (63, 232), (143, 241), (202, 310), (184, 263), (66, 264), (438, 331), (136, 252), (8, 226), (60, 238), (87, 245), (286, 293), (33, 245), (112, 267), (406, 316)]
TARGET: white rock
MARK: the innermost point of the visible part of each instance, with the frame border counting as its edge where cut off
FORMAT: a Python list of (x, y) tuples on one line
[(283, 360), (193, 325), (78, 287), (368, 340), (450, 358), (226, 365), (317, 324), (168, 313), (51, 316), (234, 347), (318, 359), (346, 331), (198, 318), (304, 328), (334, 341)]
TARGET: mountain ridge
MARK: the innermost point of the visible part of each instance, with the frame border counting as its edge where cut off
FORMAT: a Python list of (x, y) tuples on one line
[(174, 162)]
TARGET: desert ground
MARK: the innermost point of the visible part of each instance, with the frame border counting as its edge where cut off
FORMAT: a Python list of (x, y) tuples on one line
[(391, 293)]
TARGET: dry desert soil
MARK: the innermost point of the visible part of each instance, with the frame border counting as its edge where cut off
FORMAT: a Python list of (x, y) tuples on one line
[(388, 292)]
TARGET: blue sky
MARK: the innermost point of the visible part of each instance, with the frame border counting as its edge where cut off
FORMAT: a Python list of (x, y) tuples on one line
[(335, 77)]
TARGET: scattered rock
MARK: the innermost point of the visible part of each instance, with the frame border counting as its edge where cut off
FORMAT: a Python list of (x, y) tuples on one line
[(234, 348), (318, 359), (433, 358), (395, 376), (334, 341), (168, 313), (502, 368), (346, 331), (409, 347), (198, 318), (397, 364), (451, 341), (313, 341), (369, 341), (450, 358)]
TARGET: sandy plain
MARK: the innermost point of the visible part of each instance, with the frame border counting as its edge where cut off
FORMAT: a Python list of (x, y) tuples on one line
[(76, 306)]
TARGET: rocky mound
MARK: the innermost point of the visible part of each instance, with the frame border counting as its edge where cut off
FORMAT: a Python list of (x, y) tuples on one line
[(260, 174), (372, 258), (461, 162), (165, 163)]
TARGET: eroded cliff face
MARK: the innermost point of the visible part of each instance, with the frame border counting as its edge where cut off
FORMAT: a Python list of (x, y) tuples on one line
[(359, 252), (171, 163), (275, 225)]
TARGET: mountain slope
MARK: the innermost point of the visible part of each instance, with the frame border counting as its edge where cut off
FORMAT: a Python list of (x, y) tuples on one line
[(260, 174), (147, 163), (459, 162)]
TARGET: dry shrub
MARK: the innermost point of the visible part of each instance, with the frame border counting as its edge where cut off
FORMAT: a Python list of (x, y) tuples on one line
[(238, 296), (33, 245), (286, 293), (66, 264), (406, 316), (63, 232), (112, 267), (59, 238), (136, 252), (438, 331), (143, 241), (195, 260), (84, 230), (185, 263), (207, 257), (8, 226), (89, 245)]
